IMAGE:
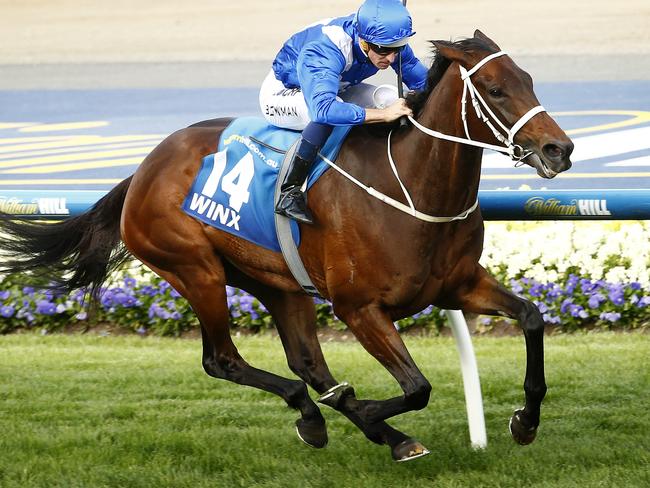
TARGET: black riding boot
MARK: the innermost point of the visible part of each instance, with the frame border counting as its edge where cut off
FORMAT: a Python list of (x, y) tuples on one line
[(292, 201)]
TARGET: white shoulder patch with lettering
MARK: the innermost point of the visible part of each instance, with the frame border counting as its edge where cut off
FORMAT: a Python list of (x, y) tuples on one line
[(341, 40)]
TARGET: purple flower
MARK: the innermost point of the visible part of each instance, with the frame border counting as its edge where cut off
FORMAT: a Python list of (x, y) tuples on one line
[(587, 286), (124, 299), (644, 301), (107, 299), (174, 294), (78, 296), (536, 290), (176, 315), (147, 290), (153, 310), (5, 294), (7, 311), (635, 285), (610, 316), (573, 279), (129, 282), (45, 307), (541, 306), (578, 311), (28, 290), (516, 287), (566, 303), (616, 296), (595, 299), (26, 314), (554, 291), (156, 311), (141, 330), (551, 319), (246, 304)]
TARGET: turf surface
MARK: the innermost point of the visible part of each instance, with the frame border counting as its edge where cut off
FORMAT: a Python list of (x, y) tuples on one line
[(129, 412)]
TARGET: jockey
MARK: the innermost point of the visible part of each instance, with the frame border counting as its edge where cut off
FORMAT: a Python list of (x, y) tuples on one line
[(315, 84)]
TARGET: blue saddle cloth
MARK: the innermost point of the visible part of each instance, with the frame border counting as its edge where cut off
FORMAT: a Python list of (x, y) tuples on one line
[(234, 188)]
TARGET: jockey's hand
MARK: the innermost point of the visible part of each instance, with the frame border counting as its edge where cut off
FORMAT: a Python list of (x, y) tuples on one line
[(397, 110), (392, 112)]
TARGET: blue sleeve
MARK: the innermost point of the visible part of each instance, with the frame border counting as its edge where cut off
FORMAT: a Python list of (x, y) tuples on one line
[(319, 69), (414, 73)]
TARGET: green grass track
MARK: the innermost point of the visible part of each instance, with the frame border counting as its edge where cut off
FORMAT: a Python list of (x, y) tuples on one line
[(91, 411)]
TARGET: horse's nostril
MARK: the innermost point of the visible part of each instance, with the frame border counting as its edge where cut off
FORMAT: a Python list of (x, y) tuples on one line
[(553, 151), (558, 150)]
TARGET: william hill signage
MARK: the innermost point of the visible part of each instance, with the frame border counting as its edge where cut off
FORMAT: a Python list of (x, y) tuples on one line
[(38, 206), (540, 206)]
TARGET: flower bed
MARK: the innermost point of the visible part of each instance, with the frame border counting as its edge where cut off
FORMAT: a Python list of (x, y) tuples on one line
[(577, 274)]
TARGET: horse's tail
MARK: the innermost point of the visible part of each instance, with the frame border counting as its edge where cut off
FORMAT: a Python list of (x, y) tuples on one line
[(77, 253)]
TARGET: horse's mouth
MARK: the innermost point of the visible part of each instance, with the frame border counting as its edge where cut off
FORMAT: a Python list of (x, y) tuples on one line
[(540, 165)]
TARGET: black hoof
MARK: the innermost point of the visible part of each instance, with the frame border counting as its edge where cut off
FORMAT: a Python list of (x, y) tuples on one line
[(408, 450), (335, 395), (521, 433), (313, 434)]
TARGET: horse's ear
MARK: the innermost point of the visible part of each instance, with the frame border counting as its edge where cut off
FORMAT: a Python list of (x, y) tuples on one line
[(451, 52), (479, 35)]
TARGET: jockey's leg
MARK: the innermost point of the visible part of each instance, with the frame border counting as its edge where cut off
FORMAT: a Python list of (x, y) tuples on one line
[(283, 107), (292, 201)]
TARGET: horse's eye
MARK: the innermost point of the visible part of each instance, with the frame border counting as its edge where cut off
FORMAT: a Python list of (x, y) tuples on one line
[(495, 92)]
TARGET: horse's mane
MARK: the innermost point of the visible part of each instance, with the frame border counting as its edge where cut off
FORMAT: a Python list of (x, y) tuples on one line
[(438, 68), (417, 99)]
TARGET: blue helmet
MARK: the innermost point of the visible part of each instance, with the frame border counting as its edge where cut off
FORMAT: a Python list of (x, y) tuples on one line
[(385, 23)]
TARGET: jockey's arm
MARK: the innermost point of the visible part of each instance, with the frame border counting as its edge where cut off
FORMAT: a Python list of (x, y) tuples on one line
[(319, 68)]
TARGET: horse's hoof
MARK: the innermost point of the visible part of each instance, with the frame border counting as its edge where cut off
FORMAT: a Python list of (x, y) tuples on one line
[(521, 433), (408, 450), (335, 395), (314, 434)]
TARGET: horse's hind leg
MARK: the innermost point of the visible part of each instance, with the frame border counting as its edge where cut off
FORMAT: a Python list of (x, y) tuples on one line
[(203, 285), (295, 318)]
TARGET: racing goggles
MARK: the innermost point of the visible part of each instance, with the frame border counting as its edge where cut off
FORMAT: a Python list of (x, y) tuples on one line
[(384, 50)]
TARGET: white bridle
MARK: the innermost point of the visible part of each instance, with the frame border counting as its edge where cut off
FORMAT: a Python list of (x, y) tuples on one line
[(515, 151)]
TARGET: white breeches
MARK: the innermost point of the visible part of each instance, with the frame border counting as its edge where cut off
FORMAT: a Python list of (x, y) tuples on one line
[(286, 107)]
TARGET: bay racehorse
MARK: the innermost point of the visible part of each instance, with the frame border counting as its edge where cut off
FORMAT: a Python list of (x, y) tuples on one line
[(375, 263)]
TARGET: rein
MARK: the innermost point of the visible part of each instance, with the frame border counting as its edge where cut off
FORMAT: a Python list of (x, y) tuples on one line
[(515, 151)]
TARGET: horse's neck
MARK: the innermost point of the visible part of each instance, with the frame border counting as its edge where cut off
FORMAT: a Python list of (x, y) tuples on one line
[(443, 176)]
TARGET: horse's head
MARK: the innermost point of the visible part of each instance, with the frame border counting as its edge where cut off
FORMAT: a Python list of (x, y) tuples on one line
[(507, 90)]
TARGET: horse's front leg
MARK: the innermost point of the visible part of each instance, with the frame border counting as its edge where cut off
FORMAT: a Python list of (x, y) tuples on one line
[(376, 332), (487, 296)]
